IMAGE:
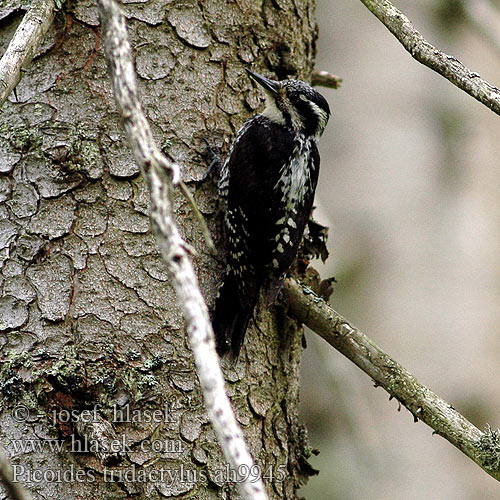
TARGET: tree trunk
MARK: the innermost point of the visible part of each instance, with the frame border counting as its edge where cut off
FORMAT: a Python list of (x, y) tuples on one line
[(88, 320)]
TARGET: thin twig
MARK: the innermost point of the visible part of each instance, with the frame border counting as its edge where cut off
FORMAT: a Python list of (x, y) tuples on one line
[(482, 447), (14, 489), (325, 79), (160, 175), (199, 217), (22, 47), (448, 66)]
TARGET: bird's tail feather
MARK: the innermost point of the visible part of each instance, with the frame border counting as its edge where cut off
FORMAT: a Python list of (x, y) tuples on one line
[(231, 317)]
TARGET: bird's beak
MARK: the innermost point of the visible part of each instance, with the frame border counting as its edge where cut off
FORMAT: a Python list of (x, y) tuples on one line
[(270, 85)]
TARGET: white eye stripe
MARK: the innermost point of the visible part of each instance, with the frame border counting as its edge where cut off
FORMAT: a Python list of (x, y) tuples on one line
[(322, 117), (303, 97), (317, 110)]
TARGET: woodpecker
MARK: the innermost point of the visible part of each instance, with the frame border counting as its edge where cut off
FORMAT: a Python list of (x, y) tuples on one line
[(267, 187)]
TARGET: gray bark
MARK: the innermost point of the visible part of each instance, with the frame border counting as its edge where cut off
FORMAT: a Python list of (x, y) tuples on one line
[(87, 314), (162, 176)]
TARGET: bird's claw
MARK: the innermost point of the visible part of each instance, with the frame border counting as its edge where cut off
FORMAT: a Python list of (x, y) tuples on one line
[(213, 153)]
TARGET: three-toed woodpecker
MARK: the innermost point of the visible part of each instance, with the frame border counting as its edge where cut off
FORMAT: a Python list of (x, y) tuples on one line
[(267, 189)]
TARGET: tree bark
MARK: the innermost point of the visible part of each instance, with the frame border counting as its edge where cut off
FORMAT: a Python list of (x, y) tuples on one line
[(92, 342)]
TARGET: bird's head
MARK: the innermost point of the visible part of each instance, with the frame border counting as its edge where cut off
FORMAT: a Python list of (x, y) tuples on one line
[(294, 104)]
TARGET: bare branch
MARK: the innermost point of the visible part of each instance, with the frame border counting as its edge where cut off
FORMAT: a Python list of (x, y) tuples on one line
[(482, 447), (160, 174), (448, 66), (14, 489), (325, 79), (22, 48)]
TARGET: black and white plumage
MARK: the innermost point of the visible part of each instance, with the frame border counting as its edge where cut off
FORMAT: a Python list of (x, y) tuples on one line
[(267, 188)]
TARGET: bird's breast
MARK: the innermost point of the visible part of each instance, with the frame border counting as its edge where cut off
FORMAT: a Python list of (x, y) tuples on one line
[(294, 182)]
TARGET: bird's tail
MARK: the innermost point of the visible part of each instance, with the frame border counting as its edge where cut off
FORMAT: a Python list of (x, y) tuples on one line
[(231, 316)]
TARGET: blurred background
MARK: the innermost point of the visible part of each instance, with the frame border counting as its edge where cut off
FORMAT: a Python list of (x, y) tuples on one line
[(410, 188)]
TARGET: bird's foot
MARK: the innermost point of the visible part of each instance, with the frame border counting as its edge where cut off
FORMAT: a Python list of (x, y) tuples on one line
[(213, 154)]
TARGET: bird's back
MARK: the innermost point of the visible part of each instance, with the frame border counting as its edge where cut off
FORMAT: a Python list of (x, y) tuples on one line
[(272, 174)]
